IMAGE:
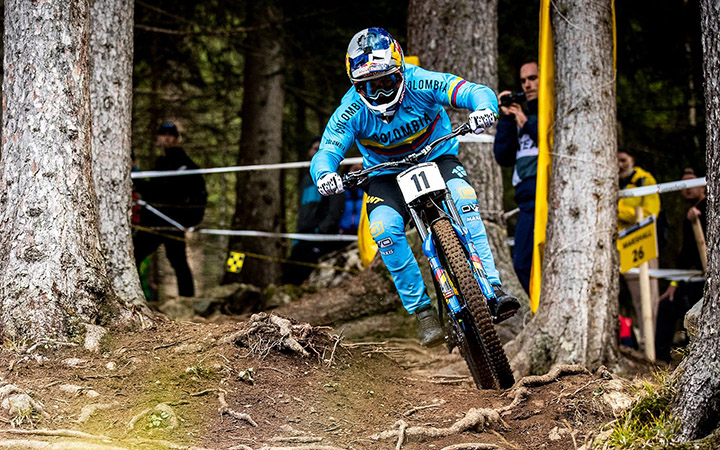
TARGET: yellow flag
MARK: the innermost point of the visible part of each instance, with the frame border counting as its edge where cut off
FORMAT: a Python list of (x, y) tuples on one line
[(366, 244), (546, 119)]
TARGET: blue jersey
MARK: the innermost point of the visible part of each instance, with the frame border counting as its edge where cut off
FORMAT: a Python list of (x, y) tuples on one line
[(420, 119)]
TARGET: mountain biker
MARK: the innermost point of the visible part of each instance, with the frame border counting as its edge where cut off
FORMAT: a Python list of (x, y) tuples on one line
[(394, 109)]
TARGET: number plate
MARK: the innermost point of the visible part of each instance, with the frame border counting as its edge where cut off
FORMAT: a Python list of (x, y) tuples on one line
[(420, 180)]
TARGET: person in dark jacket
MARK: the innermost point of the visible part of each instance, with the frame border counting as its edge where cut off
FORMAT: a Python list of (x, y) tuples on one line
[(679, 297), (516, 144), (181, 198), (316, 215)]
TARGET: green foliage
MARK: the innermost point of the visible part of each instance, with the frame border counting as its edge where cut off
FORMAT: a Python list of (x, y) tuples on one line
[(648, 423), (157, 419)]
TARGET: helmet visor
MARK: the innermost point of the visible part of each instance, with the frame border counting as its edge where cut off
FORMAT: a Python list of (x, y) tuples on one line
[(382, 90)]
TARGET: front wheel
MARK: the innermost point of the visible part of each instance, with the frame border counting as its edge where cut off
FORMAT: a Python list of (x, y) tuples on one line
[(479, 343)]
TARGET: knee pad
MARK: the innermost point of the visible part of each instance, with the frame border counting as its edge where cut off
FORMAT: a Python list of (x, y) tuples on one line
[(465, 200), (387, 228)]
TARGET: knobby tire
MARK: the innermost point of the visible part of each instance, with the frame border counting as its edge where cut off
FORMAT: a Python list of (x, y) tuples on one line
[(483, 352)]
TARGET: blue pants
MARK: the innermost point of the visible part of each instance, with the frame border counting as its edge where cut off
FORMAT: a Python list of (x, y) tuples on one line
[(523, 248), (388, 215)]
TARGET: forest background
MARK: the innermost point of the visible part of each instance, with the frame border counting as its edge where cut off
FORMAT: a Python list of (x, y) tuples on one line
[(189, 66)]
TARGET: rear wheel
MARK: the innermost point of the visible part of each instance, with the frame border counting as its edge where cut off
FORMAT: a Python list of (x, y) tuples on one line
[(479, 342)]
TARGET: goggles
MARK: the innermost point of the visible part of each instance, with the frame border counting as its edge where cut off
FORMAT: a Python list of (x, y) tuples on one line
[(380, 90)]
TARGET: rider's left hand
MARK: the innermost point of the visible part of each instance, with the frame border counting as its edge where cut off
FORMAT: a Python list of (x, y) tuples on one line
[(481, 120)]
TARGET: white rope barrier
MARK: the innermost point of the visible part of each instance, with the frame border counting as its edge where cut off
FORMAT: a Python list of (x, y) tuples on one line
[(295, 236), (486, 138), (662, 187)]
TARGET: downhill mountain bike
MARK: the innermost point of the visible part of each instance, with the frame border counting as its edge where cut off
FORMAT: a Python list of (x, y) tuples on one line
[(459, 276)]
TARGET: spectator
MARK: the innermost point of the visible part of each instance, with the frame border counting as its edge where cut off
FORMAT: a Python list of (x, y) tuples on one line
[(516, 145), (316, 215), (181, 198), (632, 176), (681, 296)]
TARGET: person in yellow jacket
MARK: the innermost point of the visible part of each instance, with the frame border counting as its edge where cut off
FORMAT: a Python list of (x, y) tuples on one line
[(631, 176)]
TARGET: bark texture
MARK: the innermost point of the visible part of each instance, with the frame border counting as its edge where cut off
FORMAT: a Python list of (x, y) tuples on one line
[(697, 400), (577, 319), (258, 204), (111, 39), (52, 273), (460, 37)]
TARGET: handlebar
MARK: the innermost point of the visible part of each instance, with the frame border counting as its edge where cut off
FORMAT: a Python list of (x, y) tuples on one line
[(357, 178)]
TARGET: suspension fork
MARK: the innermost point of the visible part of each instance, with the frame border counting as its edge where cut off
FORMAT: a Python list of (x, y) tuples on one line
[(442, 281)]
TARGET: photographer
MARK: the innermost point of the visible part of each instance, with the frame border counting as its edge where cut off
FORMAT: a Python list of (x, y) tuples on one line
[(516, 145)]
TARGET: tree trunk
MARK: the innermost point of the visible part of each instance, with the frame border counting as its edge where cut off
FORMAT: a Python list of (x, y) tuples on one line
[(577, 320), (461, 38), (52, 273), (258, 204), (697, 401), (111, 37)]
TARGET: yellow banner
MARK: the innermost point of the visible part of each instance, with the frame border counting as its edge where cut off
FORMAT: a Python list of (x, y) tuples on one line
[(637, 244), (546, 119)]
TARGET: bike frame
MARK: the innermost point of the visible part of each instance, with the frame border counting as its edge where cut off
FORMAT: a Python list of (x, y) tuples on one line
[(427, 206)]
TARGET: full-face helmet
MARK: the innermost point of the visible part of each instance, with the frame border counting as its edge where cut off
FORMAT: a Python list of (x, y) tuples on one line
[(375, 65)]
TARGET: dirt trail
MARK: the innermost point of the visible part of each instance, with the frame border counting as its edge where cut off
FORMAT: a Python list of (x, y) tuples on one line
[(271, 384)]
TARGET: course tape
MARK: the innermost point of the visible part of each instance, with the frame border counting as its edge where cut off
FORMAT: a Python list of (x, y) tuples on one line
[(662, 187), (295, 236), (248, 254), (291, 165)]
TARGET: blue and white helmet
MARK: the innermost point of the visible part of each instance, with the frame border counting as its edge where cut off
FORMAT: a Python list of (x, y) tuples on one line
[(375, 65)]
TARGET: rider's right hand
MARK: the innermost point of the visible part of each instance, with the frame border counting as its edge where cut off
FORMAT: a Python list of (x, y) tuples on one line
[(481, 120), (330, 184)]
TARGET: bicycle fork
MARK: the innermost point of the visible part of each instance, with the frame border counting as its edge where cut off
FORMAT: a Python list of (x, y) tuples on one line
[(430, 251)]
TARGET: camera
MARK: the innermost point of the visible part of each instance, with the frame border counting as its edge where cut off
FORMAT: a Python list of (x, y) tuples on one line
[(509, 99)]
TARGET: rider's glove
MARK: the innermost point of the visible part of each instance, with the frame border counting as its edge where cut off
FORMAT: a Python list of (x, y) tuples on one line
[(330, 184), (481, 120)]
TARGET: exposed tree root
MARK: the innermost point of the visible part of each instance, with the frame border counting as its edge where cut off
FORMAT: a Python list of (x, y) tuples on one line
[(265, 332), (18, 404), (472, 446), (170, 419), (477, 418), (58, 433), (520, 391), (305, 447), (555, 373), (474, 419), (24, 444), (225, 409)]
